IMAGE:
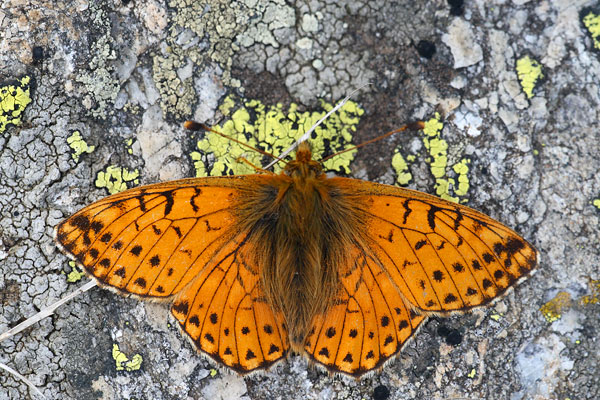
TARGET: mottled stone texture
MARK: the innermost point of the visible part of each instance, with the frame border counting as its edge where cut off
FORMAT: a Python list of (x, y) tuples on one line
[(125, 74)]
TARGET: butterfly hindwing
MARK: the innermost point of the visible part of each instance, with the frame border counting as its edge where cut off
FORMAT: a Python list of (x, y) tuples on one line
[(367, 324), (224, 313)]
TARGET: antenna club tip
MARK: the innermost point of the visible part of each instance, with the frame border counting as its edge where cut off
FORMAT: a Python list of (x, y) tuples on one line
[(415, 126), (195, 126)]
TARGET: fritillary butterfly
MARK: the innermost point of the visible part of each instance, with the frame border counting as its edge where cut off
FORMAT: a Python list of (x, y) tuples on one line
[(258, 266)]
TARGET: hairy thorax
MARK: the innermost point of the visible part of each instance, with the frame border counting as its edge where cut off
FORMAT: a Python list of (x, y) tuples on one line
[(298, 222)]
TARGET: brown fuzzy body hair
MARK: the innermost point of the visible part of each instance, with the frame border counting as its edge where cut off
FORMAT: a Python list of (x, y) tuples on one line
[(300, 224)]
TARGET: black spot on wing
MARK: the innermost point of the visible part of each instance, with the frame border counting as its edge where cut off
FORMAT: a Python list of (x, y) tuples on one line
[(273, 349), (181, 307), (142, 201), (169, 204), (458, 219), (141, 282), (407, 211), (197, 192), (81, 222), (97, 226), (136, 250), (431, 216)]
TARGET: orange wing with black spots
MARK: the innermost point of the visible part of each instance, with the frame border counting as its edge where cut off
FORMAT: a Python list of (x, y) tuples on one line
[(179, 241), (442, 256), (352, 267), (225, 314), (368, 323), (151, 241)]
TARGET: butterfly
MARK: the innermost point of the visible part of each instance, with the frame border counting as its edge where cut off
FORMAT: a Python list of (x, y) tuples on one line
[(257, 267)]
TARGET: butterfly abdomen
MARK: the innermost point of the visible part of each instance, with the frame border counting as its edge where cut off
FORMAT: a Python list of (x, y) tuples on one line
[(298, 226)]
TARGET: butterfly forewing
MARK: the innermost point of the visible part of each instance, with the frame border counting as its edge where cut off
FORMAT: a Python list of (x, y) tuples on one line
[(443, 256), (150, 241)]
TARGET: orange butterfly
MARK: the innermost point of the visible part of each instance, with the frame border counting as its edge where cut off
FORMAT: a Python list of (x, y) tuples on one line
[(340, 270)]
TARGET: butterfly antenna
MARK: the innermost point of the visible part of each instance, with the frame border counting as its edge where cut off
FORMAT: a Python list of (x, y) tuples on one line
[(198, 126), (412, 126), (310, 131)]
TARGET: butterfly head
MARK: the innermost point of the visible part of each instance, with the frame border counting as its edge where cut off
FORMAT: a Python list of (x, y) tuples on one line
[(304, 166)]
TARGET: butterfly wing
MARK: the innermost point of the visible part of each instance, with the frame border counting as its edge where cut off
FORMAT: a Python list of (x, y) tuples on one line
[(442, 256), (180, 241), (225, 314), (366, 325), (152, 240)]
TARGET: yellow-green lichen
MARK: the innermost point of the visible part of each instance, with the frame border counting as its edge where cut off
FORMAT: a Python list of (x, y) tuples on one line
[(78, 145), (76, 274), (529, 72), (213, 373), (14, 97), (496, 317), (438, 152), (273, 129), (594, 297), (553, 309), (596, 203), (128, 144), (227, 105), (461, 169), (123, 363), (400, 166), (115, 179), (472, 374), (591, 21)]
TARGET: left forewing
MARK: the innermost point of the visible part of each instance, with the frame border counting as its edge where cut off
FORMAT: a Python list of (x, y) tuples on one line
[(144, 241)]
